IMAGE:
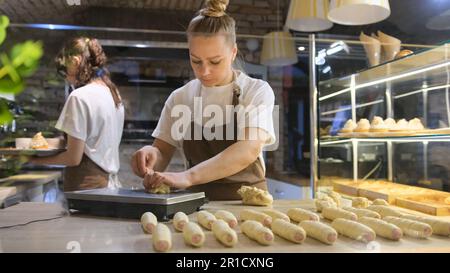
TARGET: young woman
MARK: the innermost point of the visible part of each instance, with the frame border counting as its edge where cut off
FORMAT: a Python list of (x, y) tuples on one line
[(219, 167), (92, 118)]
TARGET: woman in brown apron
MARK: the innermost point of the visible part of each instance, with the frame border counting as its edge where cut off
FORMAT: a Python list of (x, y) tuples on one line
[(92, 118), (218, 167)]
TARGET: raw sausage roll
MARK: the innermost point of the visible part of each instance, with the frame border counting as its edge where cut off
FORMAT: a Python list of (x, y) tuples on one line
[(319, 231), (193, 234), (162, 238), (288, 231), (148, 222), (256, 231), (224, 233), (248, 214), (382, 228), (354, 230), (298, 215)]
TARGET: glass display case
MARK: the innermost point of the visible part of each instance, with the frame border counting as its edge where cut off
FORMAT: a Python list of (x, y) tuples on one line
[(413, 90)]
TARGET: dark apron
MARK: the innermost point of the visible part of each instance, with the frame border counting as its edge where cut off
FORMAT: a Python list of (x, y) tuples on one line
[(197, 151), (87, 175)]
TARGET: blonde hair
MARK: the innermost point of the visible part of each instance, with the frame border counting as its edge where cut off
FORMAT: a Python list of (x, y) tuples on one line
[(212, 20)]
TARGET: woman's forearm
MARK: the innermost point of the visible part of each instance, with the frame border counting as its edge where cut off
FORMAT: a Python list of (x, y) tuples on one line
[(60, 159), (230, 161)]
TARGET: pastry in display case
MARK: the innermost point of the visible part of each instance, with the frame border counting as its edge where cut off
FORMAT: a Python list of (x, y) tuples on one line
[(390, 129)]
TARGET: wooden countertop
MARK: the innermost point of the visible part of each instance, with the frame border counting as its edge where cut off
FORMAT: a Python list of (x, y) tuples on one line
[(96, 234)]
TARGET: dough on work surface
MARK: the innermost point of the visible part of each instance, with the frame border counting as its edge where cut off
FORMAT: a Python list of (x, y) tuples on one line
[(324, 201), (255, 196)]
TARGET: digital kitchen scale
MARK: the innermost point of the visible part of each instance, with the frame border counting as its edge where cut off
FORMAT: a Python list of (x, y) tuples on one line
[(126, 203)]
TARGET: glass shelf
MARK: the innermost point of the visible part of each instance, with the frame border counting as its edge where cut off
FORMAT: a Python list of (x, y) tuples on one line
[(417, 138)]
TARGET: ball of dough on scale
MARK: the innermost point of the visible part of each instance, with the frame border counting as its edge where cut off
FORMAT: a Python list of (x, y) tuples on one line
[(161, 189)]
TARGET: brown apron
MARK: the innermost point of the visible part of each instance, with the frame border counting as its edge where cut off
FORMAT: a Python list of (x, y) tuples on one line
[(87, 175), (197, 151)]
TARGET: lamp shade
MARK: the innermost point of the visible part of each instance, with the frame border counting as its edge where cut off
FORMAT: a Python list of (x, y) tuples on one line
[(358, 12), (278, 49), (308, 15)]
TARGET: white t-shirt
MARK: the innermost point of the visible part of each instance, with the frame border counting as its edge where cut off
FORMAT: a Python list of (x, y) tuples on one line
[(90, 114), (254, 92)]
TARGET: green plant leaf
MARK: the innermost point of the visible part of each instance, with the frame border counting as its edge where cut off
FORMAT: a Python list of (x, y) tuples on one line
[(4, 21), (26, 56), (2, 36), (8, 86), (5, 115)]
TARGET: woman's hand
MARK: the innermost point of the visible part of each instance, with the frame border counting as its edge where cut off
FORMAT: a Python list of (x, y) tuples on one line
[(143, 161), (180, 180)]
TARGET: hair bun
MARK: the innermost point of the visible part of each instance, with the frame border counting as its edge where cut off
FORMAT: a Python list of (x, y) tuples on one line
[(215, 8), (98, 57)]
